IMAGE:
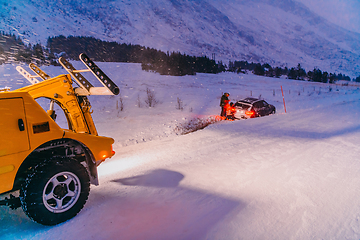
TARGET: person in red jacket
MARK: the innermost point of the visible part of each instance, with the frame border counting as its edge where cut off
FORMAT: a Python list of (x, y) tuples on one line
[(224, 104), (231, 112)]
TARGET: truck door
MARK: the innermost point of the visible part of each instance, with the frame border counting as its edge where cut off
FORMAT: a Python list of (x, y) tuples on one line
[(13, 128)]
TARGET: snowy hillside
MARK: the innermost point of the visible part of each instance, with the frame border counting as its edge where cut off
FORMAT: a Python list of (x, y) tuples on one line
[(278, 32), (291, 175)]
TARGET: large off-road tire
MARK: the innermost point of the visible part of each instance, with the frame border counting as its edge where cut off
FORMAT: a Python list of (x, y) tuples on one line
[(55, 191)]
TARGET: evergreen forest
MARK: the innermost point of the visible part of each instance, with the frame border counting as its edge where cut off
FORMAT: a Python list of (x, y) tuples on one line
[(13, 49)]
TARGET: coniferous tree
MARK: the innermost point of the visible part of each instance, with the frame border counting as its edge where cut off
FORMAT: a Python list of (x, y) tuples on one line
[(317, 75), (38, 54), (278, 72), (292, 74), (285, 71), (301, 73), (332, 78), (324, 77), (259, 70)]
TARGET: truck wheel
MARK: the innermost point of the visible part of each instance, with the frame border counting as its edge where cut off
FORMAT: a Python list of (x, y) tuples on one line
[(55, 191)]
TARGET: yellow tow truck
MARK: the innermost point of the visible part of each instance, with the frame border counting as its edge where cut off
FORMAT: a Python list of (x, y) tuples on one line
[(45, 169)]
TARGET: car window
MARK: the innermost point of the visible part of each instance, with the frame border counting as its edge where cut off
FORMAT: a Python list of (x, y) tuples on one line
[(258, 104), (241, 105)]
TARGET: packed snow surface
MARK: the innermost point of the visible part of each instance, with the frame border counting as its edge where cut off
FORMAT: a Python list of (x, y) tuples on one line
[(293, 175)]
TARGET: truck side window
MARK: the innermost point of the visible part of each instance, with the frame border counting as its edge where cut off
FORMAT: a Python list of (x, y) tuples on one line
[(57, 114)]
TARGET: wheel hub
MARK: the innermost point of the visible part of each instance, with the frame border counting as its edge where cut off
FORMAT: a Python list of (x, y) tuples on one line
[(60, 191)]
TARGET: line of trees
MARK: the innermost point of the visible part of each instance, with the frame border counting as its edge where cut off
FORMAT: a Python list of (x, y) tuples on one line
[(151, 59), (298, 73), (13, 49), (178, 64), (98, 50)]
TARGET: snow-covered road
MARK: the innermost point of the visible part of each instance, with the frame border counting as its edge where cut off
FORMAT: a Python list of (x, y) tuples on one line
[(285, 176)]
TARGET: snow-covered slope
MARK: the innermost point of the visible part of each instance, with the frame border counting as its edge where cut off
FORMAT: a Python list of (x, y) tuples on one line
[(291, 175), (278, 32)]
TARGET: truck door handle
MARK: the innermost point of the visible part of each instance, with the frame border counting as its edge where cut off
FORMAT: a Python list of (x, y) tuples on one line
[(21, 125)]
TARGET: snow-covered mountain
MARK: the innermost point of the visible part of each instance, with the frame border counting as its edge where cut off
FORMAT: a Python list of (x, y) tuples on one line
[(275, 31)]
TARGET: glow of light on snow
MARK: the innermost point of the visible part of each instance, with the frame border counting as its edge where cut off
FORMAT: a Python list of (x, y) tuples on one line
[(116, 164)]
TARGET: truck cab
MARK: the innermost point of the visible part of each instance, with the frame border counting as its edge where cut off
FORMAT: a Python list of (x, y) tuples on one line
[(51, 168)]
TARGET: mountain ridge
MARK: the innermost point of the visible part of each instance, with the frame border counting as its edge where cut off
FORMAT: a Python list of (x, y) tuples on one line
[(280, 32)]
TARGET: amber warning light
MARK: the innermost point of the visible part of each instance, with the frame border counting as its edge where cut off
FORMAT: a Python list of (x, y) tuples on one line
[(105, 154), (112, 151)]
